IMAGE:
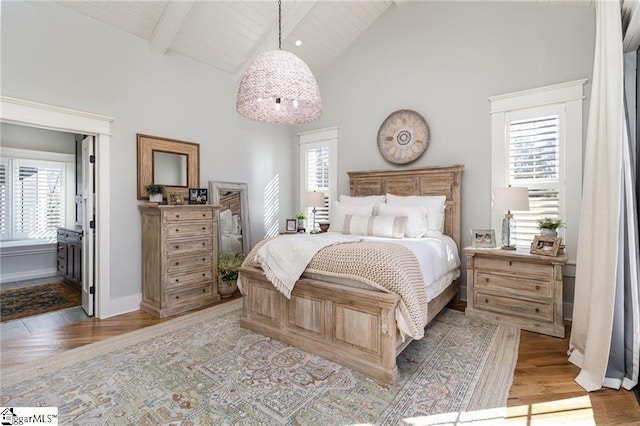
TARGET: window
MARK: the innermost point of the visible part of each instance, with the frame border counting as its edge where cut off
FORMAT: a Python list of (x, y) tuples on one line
[(33, 194), (537, 144), (318, 170)]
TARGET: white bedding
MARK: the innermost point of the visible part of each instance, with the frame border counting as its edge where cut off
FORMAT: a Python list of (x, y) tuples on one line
[(231, 243)]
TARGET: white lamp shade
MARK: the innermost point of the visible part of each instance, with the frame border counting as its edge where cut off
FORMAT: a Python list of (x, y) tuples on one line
[(511, 198), (315, 199), (278, 87)]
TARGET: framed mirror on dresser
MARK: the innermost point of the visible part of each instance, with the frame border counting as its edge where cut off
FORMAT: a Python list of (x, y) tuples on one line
[(233, 216)]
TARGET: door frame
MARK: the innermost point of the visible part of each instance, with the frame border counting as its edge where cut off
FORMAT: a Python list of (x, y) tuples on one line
[(34, 114)]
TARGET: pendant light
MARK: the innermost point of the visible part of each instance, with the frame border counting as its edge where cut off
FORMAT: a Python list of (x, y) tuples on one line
[(278, 87)]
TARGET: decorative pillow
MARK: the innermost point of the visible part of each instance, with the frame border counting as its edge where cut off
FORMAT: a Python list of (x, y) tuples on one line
[(435, 205), (377, 226), (339, 210), (362, 201), (225, 222), (416, 218)]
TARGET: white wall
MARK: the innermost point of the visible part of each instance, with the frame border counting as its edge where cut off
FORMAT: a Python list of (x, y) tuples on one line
[(444, 59), (56, 56), (14, 136)]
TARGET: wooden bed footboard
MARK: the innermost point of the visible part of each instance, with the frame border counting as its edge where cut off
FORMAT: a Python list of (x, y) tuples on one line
[(352, 327)]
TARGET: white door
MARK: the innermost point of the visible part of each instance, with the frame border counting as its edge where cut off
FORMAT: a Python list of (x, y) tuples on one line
[(88, 225)]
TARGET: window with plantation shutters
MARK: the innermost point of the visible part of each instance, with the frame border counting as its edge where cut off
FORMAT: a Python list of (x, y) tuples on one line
[(534, 162), (536, 142), (318, 171), (33, 202)]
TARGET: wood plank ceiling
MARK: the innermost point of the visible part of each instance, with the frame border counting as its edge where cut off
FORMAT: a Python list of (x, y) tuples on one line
[(228, 35)]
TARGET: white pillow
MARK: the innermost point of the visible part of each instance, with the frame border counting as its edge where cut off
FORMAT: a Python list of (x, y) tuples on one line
[(225, 222), (435, 205), (377, 226), (416, 218), (339, 210), (362, 201)]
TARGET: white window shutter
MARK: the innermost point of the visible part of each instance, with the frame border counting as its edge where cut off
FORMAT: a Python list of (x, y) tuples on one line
[(4, 200)]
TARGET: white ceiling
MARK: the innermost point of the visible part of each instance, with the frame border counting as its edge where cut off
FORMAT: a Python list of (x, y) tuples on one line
[(228, 35)]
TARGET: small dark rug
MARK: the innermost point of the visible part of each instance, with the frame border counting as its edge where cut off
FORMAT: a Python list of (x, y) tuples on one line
[(27, 301)]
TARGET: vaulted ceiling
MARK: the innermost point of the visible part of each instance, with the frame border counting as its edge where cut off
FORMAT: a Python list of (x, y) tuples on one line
[(228, 35)]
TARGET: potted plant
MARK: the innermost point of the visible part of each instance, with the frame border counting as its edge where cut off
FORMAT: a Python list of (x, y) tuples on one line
[(155, 191), (301, 217), (549, 227), (228, 264)]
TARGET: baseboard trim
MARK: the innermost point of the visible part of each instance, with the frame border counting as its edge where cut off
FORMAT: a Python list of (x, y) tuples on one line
[(119, 306)]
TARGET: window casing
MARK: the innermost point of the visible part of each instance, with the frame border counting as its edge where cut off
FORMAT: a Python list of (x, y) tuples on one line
[(537, 143), (36, 194), (318, 170)]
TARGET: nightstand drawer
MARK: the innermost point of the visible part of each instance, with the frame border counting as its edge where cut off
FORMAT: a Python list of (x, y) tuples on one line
[(513, 285), (186, 213), (513, 266), (188, 296), (514, 307), (191, 229)]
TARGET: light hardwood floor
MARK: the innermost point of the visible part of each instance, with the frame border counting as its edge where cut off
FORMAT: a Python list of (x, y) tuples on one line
[(543, 390)]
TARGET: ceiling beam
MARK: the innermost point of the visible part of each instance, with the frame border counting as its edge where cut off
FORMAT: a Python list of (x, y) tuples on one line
[(289, 21), (168, 25)]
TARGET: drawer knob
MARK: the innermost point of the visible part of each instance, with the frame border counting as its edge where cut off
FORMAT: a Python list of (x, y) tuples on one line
[(510, 263), (204, 215), (177, 280), (486, 300), (537, 287), (177, 230), (177, 247), (537, 310), (177, 216), (486, 280), (177, 263), (177, 297), (204, 290), (202, 243), (203, 259), (203, 274), (203, 228)]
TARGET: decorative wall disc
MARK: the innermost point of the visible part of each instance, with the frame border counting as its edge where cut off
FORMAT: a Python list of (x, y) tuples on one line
[(403, 136)]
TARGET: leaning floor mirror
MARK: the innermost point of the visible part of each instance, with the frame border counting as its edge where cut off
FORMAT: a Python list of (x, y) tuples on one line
[(233, 219)]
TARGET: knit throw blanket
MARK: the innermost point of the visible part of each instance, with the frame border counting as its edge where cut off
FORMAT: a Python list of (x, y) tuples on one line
[(284, 259), (383, 265)]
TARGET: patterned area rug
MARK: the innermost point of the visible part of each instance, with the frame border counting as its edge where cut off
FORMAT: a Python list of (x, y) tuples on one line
[(38, 299), (204, 369)]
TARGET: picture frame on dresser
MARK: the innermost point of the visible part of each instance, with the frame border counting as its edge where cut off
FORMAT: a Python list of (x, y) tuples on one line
[(545, 246), (483, 238)]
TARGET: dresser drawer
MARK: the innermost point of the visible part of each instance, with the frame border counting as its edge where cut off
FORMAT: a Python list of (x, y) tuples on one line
[(182, 279), (525, 287), (189, 295), (179, 263), (186, 214), (513, 267), (178, 247), (189, 229), (537, 311)]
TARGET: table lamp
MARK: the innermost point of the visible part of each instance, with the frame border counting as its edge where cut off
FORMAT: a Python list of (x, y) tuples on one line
[(510, 198), (315, 199)]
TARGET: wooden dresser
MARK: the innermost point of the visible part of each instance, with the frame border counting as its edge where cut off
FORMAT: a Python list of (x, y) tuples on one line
[(179, 258), (517, 288)]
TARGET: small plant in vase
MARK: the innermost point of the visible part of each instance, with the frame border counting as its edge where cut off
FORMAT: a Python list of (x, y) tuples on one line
[(155, 191), (301, 218), (228, 264), (549, 227)]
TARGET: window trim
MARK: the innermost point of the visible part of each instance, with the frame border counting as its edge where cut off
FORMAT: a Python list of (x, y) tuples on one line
[(69, 181), (311, 139), (569, 96)]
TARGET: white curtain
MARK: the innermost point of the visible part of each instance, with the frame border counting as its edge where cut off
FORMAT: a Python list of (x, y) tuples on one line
[(605, 336)]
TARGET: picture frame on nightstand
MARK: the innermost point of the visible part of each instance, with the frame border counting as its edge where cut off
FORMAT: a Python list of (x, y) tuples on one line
[(483, 238), (545, 246), (291, 226)]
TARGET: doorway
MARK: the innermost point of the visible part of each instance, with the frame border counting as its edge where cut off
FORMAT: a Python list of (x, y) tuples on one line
[(31, 114)]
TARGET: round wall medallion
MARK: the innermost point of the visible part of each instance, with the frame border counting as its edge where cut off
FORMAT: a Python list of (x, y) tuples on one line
[(403, 136)]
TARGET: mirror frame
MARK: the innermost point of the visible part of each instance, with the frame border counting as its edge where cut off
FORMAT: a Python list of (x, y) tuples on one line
[(215, 187), (148, 144)]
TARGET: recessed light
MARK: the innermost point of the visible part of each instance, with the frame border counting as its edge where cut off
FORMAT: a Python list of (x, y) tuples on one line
[(298, 42)]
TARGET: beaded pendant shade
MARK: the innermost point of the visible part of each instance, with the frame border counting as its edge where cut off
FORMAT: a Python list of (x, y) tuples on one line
[(278, 87)]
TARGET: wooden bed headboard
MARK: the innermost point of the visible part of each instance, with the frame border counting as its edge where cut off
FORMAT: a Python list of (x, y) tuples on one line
[(437, 180)]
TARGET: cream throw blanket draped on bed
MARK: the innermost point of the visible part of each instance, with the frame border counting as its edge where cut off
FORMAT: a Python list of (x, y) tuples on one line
[(284, 259)]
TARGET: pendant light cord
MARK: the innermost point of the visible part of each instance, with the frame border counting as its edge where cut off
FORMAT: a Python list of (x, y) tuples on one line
[(279, 24)]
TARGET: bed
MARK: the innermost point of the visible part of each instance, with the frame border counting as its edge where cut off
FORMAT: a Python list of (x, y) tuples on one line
[(351, 325)]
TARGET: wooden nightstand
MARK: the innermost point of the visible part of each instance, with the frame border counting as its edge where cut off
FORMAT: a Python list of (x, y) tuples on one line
[(517, 288)]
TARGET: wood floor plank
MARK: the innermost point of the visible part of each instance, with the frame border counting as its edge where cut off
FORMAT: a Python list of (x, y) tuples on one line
[(544, 390)]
